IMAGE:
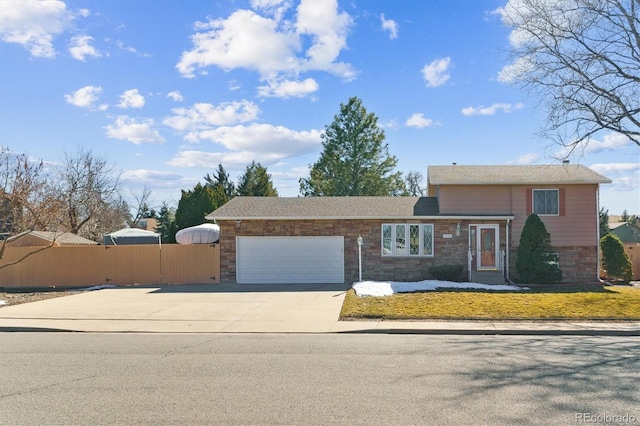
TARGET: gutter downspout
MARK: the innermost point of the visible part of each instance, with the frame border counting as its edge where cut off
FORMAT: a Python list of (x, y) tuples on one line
[(506, 266), (598, 233)]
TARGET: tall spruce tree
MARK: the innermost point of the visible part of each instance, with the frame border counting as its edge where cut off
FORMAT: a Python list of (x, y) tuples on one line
[(166, 224), (194, 205), (256, 182), (221, 184), (536, 260), (355, 160)]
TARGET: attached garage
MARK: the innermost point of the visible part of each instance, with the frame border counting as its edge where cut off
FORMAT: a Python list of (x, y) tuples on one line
[(289, 260)]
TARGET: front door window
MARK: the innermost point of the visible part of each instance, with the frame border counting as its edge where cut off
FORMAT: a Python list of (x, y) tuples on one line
[(487, 247)]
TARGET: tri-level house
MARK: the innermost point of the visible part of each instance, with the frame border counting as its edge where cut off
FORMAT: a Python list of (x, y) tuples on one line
[(472, 216)]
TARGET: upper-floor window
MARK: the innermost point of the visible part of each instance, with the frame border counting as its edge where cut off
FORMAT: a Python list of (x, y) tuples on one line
[(407, 239), (546, 202)]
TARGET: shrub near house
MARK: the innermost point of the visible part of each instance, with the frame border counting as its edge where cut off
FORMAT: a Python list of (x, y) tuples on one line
[(537, 262), (615, 261)]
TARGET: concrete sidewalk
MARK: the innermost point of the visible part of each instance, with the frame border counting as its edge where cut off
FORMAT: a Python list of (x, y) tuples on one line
[(249, 309)]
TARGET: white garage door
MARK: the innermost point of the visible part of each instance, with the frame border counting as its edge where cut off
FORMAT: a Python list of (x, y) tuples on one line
[(289, 260)]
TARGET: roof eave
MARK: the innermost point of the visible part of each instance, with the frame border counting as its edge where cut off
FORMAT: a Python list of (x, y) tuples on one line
[(431, 217), (523, 183)]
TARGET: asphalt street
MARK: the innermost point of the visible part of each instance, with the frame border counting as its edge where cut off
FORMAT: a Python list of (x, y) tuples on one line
[(145, 379)]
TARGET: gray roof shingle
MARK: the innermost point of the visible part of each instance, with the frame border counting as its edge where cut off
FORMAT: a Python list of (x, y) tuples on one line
[(514, 175), (326, 208)]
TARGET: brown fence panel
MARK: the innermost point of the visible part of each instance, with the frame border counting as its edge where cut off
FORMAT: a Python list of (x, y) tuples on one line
[(94, 265), (53, 267), (132, 264), (197, 264), (633, 251)]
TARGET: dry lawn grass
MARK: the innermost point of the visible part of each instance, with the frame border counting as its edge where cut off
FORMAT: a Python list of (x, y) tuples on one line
[(594, 303)]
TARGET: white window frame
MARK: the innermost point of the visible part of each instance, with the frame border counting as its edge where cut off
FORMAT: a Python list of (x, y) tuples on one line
[(407, 249), (533, 201)]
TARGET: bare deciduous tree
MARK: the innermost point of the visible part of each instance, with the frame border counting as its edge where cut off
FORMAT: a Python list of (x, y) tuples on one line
[(582, 58), (413, 181), (89, 187), (142, 209), (26, 200)]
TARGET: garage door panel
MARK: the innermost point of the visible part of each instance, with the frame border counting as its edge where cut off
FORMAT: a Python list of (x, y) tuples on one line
[(289, 260)]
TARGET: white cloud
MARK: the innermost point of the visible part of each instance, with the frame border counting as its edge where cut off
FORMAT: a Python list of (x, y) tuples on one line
[(624, 176), (131, 99), (175, 95), (144, 175), (84, 97), (288, 88), (390, 124), (272, 46), (615, 167), (389, 25), (80, 48), (530, 21), (274, 8), (328, 29), (204, 116), (206, 159), (137, 132), (534, 24), (243, 40), (512, 72), (610, 142), (437, 72), (527, 158), (419, 120), (34, 24), (264, 138), (265, 143), (491, 110)]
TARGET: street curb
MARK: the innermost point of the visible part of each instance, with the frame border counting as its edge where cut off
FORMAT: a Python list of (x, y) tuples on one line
[(478, 332)]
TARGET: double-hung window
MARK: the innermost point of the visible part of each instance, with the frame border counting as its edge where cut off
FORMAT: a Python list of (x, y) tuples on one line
[(546, 202), (407, 239)]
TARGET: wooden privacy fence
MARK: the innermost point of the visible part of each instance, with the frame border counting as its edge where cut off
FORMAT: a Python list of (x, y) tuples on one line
[(633, 251), (95, 265)]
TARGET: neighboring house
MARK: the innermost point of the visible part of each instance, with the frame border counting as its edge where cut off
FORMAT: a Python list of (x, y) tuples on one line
[(148, 224), (630, 236), (473, 216), (47, 238)]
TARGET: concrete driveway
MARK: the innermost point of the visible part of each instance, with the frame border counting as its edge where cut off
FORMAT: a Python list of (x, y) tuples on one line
[(215, 308), (284, 308)]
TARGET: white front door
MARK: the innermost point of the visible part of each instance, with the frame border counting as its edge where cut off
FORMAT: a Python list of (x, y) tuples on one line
[(487, 247)]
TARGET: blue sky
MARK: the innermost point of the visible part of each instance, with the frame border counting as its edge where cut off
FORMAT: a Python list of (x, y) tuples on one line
[(167, 89)]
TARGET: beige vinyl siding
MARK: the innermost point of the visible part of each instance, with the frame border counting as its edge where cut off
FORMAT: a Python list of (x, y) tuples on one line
[(577, 227), (475, 199)]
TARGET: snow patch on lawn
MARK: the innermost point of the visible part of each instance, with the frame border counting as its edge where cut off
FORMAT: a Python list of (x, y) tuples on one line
[(387, 288)]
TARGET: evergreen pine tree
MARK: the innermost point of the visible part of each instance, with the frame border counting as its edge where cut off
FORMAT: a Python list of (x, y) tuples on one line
[(355, 160), (256, 182), (536, 261), (615, 261)]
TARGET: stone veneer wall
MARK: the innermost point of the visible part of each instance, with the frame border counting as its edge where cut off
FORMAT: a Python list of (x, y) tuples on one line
[(578, 264), (374, 265)]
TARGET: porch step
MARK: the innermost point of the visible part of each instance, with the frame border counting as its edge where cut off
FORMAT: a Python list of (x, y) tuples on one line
[(487, 277)]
